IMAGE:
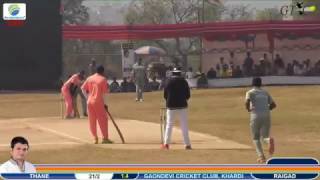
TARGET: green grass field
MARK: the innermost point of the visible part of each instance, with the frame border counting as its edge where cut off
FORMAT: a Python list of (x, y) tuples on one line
[(219, 112)]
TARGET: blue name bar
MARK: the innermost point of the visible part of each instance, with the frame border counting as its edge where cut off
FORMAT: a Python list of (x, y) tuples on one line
[(194, 176), (285, 176), (37, 176), (296, 161), (169, 176), (135, 176)]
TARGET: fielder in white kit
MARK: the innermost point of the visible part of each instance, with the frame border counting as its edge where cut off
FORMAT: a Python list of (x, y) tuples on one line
[(259, 103)]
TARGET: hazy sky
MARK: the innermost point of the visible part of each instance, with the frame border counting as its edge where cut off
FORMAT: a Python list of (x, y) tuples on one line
[(259, 4)]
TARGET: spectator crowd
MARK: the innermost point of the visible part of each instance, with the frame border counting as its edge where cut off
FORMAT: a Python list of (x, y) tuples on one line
[(233, 67), (249, 67), (129, 85)]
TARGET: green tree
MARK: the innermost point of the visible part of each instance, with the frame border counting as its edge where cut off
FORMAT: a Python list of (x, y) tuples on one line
[(148, 12), (173, 12), (237, 13), (212, 10), (269, 14), (74, 12)]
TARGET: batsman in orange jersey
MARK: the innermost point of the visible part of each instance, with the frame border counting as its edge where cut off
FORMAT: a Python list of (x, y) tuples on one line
[(95, 88)]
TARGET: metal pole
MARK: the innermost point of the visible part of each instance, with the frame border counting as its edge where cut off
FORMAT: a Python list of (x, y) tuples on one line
[(201, 42), (203, 17)]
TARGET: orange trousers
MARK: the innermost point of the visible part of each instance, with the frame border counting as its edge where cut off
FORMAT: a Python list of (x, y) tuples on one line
[(96, 112), (68, 101)]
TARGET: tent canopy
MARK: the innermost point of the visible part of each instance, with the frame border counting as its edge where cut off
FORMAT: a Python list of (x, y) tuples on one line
[(150, 50), (208, 31)]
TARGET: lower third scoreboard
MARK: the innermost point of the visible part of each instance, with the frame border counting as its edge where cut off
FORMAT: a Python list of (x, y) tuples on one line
[(276, 168)]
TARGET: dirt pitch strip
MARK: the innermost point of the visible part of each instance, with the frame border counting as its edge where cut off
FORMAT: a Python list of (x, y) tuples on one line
[(55, 133)]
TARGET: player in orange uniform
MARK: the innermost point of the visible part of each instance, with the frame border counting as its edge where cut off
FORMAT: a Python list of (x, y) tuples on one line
[(74, 80), (94, 88)]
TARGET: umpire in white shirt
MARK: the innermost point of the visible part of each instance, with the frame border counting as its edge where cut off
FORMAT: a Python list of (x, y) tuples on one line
[(17, 162), (176, 94)]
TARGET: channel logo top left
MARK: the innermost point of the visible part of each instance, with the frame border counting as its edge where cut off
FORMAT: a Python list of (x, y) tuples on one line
[(14, 11)]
